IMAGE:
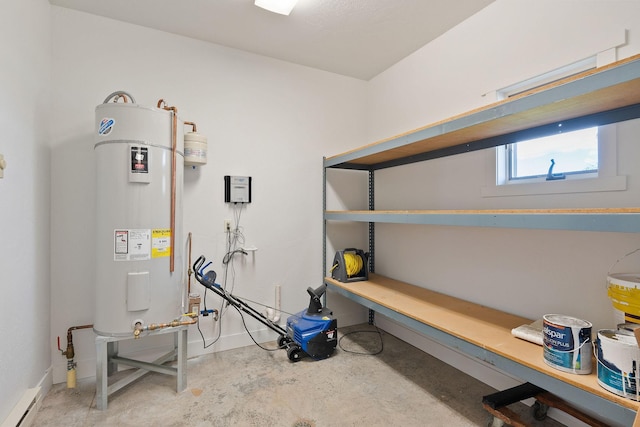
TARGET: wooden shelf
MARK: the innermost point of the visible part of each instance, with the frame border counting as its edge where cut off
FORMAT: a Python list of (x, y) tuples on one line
[(483, 328), (624, 220), (596, 97)]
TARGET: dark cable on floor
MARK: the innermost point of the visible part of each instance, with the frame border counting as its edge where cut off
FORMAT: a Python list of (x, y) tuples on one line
[(374, 353), (251, 336)]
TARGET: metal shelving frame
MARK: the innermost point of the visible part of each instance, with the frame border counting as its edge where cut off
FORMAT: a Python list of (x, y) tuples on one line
[(611, 222), (563, 114)]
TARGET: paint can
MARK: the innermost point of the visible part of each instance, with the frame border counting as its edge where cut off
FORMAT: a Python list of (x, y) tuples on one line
[(567, 343), (617, 358), (624, 292)]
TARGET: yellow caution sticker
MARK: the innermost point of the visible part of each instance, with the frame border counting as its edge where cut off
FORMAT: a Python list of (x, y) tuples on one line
[(160, 242)]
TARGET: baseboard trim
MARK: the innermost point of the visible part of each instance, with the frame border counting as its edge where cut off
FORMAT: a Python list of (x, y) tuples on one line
[(25, 410)]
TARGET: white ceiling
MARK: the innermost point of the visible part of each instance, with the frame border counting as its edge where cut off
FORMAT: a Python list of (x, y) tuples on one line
[(357, 38)]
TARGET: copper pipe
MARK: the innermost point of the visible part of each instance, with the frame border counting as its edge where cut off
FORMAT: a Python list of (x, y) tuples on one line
[(193, 125), (174, 147), (189, 270), (153, 326), (172, 243), (70, 353)]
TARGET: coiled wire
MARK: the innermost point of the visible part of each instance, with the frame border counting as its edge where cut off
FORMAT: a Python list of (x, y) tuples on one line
[(353, 264)]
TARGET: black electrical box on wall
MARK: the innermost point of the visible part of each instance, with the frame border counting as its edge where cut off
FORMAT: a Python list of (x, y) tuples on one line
[(237, 189)]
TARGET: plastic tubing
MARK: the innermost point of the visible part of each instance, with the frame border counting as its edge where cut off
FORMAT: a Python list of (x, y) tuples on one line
[(274, 315), (276, 318)]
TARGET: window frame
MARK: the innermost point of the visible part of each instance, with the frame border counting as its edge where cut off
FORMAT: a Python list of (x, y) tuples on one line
[(606, 179), (580, 174), (497, 183)]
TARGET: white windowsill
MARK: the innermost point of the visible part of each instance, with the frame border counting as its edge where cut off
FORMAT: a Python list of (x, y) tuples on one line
[(586, 185)]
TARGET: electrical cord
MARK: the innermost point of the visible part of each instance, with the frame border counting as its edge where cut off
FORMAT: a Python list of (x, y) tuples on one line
[(235, 238), (243, 323), (204, 341), (251, 336), (353, 264), (373, 353), (229, 255), (266, 306), (204, 306)]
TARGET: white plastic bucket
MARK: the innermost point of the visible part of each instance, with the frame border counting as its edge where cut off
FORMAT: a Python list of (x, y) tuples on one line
[(617, 355)]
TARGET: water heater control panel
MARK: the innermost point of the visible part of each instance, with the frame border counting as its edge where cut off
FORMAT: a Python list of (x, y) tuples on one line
[(237, 189)]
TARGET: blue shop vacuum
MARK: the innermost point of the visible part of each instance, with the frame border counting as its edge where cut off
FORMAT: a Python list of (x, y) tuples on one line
[(312, 332)]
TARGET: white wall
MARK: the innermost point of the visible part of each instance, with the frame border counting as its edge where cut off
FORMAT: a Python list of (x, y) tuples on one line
[(505, 43), (526, 272), (24, 198), (264, 118), (275, 121)]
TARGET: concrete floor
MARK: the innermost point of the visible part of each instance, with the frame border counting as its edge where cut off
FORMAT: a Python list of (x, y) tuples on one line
[(402, 386)]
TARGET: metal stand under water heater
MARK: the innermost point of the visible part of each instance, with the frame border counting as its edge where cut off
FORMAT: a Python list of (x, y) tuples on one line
[(139, 154)]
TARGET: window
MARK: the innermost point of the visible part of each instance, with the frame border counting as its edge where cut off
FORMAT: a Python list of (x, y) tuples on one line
[(551, 157), (584, 160), (605, 178), (560, 156)]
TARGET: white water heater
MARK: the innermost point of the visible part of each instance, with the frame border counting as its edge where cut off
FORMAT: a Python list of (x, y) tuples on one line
[(139, 209)]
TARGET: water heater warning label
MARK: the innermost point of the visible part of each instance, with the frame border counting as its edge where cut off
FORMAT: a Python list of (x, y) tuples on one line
[(122, 242), (139, 160), (132, 245), (161, 243)]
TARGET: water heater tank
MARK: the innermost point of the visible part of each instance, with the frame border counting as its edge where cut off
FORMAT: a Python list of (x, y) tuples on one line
[(133, 152)]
